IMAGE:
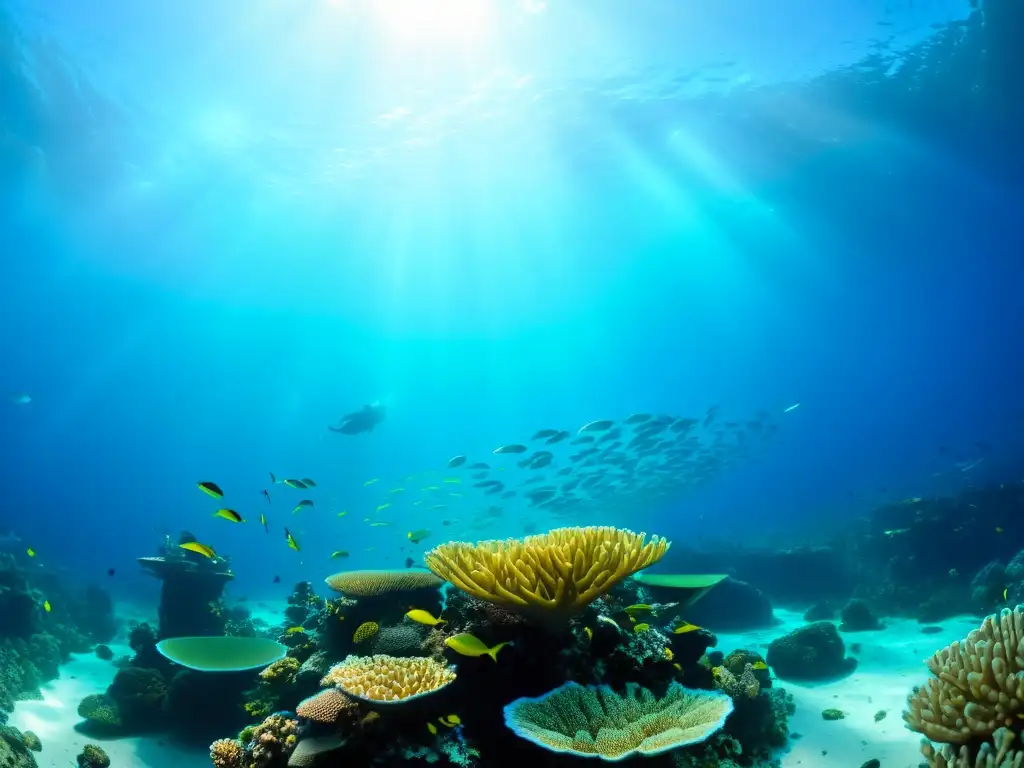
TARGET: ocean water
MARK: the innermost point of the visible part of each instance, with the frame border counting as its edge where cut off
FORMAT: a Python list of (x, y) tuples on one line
[(225, 225)]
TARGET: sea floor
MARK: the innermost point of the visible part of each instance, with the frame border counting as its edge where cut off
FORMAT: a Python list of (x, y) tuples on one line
[(891, 662)]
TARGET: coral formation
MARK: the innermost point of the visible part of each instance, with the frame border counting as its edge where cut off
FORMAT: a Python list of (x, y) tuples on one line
[(281, 672), (227, 753), (101, 711), (389, 680), (93, 756), (328, 707), (381, 582), (597, 722), (551, 576), (812, 652), (310, 749)]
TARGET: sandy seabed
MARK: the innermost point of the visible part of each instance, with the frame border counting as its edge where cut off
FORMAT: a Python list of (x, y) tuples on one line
[(891, 662)]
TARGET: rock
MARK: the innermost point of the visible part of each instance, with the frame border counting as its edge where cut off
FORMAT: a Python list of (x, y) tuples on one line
[(820, 611), (832, 714), (987, 585), (813, 652), (873, 763), (93, 756), (857, 617), (104, 653), (733, 605), (930, 630)]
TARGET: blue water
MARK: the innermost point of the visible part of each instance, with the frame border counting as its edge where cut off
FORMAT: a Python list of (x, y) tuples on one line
[(224, 225)]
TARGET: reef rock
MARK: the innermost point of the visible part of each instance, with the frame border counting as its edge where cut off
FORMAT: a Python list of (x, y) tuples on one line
[(813, 652), (733, 605), (857, 617)]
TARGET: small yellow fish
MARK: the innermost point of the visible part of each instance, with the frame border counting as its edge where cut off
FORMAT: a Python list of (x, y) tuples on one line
[(371, 482), (638, 608), (589, 633), (1004, 592), (382, 507), (472, 646), (432, 728), (301, 504), (418, 535), (998, 529), (450, 720), (339, 553), (759, 665), (685, 627), (424, 617), (230, 515), (199, 549), (211, 489), (343, 513), (641, 628), (453, 481), (46, 606), (30, 552), (294, 630), (607, 620), (676, 665), (397, 490), (378, 525), (291, 540)]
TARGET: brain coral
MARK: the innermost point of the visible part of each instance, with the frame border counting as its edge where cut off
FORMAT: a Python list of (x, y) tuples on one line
[(388, 680), (400, 640), (378, 583), (552, 575), (328, 707), (597, 722)]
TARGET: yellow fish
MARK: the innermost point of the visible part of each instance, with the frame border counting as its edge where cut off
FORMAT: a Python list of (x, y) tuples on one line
[(294, 630), (453, 481), (450, 721), (339, 553), (343, 513), (418, 535), (638, 608), (397, 490), (667, 652), (371, 482), (472, 646), (641, 628), (291, 540), (211, 489), (301, 504), (30, 552), (685, 627), (759, 665), (589, 633), (424, 617), (431, 488), (1004, 592), (378, 525), (382, 507), (199, 549), (46, 606), (432, 728), (229, 515)]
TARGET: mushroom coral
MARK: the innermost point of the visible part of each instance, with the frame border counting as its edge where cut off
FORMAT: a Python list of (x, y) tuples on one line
[(595, 721), (550, 576)]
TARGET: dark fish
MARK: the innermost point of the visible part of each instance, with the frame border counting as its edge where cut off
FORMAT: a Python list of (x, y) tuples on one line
[(266, 495), (596, 426), (542, 433), (557, 438), (409, 562), (456, 461), (309, 483), (479, 465), (361, 421), (496, 489), (582, 440), (111, 571), (638, 418), (510, 448), (211, 489), (486, 483), (277, 580)]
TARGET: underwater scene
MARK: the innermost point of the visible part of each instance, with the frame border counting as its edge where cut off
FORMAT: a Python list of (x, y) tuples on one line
[(493, 383)]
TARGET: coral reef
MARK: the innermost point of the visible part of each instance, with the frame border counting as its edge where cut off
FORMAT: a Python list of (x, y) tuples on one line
[(387, 680), (93, 756), (16, 748), (813, 652), (596, 721), (549, 576)]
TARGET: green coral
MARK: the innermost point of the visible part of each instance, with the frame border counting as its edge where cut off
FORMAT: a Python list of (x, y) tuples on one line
[(30, 740), (101, 711), (282, 671), (93, 756)]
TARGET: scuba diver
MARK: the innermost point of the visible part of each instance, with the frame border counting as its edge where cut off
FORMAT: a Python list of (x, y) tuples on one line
[(361, 421)]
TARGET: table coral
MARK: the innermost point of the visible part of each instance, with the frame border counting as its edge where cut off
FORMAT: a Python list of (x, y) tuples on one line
[(389, 680)]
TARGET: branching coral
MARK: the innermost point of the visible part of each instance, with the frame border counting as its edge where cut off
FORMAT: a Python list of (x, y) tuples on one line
[(379, 583), (389, 680), (272, 740), (990, 755), (227, 753), (737, 686), (597, 722), (553, 575), (282, 671), (978, 685)]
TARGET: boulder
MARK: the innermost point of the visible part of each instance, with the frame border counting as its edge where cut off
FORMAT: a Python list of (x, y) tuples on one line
[(812, 652)]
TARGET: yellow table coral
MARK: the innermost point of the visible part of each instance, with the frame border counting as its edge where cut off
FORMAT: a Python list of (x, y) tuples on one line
[(384, 679), (595, 721), (549, 576)]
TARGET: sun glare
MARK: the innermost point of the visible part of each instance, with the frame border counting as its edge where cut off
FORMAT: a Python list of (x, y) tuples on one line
[(416, 21)]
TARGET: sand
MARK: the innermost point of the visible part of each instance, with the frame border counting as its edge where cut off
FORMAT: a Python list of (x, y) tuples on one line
[(891, 662)]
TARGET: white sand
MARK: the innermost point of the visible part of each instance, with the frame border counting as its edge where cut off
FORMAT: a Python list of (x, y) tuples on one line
[(891, 662), (53, 719)]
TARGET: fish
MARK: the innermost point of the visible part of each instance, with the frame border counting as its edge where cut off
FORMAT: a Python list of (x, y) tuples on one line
[(276, 580), (263, 522), (456, 461), (273, 479), (540, 434), (557, 438), (397, 490), (199, 549), (229, 514), (372, 481), (292, 543), (343, 513), (1004, 592), (211, 489), (339, 553), (383, 506), (638, 608), (450, 720), (111, 571), (999, 529), (608, 620), (20, 398), (432, 728), (379, 525), (266, 495), (470, 645), (30, 552), (759, 665), (596, 426), (638, 418), (424, 617), (295, 630), (641, 628), (479, 465), (301, 504), (589, 633), (409, 562), (46, 606), (295, 484), (684, 628), (793, 407), (510, 448), (453, 481), (309, 483), (418, 535)]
